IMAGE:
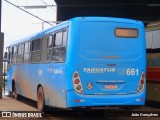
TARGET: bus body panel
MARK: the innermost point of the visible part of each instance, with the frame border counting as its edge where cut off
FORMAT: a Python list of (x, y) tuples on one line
[(55, 84), (94, 65), (50, 76), (86, 57), (10, 73), (21, 76), (80, 100)]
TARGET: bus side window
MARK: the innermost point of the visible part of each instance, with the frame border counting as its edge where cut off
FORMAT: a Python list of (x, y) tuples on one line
[(50, 41), (36, 44), (14, 54), (26, 57), (44, 51), (20, 53), (9, 54), (58, 39), (12, 50), (65, 35), (35, 51), (15, 50), (59, 49), (50, 46), (9, 50)]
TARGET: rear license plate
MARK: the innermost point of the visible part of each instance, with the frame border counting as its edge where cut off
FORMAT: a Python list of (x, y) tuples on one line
[(110, 86)]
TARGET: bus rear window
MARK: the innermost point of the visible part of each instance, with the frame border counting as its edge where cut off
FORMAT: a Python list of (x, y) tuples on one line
[(126, 32)]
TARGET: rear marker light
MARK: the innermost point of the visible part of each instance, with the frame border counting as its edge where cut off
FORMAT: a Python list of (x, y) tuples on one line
[(77, 84), (77, 100), (142, 99), (141, 83), (143, 75)]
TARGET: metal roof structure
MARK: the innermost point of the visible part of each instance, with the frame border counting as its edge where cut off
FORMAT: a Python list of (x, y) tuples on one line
[(145, 10), (153, 26)]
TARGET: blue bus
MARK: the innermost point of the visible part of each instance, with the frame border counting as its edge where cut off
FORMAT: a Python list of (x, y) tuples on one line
[(83, 62)]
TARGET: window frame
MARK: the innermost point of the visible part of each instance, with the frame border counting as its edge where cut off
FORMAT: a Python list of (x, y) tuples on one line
[(32, 51), (32, 45), (20, 45), (62, 45), (66, 39), (54, 38)]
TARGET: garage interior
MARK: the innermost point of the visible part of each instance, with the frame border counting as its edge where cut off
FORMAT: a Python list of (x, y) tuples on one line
[(144, 10)]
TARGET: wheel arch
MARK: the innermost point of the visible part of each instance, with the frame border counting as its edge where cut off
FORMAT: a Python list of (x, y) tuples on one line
[(39, 85)]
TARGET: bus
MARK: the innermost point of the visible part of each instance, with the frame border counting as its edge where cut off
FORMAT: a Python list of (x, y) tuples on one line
[(85, 62), (153, 51)]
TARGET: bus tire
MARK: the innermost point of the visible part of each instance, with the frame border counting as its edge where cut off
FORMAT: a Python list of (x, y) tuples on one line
[(40, 99), (14, 93)]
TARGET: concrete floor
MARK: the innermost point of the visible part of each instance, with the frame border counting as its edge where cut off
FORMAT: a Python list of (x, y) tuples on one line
[(153, 92), (10, 104)]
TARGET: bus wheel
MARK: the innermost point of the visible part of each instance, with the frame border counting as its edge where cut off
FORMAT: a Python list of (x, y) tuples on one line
[(40, 99), (14, 92)]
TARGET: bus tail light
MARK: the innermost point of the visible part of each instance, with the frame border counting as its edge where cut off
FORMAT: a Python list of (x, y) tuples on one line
[(77, 82), (78, 87), (75, 75), (141, 83)]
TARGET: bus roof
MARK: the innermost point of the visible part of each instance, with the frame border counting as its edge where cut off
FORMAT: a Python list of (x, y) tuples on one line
[(153, 26), (66, 23)]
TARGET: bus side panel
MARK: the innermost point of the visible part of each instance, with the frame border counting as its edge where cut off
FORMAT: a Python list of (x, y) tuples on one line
[(22, 79), (9, 78), (36, 74), (54, 84), (21, 76), (50, 76), (71, 63), (72, 52)]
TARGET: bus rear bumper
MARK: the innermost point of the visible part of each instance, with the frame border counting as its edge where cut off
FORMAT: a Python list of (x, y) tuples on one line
[(80, 100)]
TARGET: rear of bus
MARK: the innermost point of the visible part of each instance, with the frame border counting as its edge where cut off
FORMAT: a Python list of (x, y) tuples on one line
[(106, 62)]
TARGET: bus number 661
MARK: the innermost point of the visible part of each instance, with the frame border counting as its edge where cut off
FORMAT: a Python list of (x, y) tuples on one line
[(132, 71)]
